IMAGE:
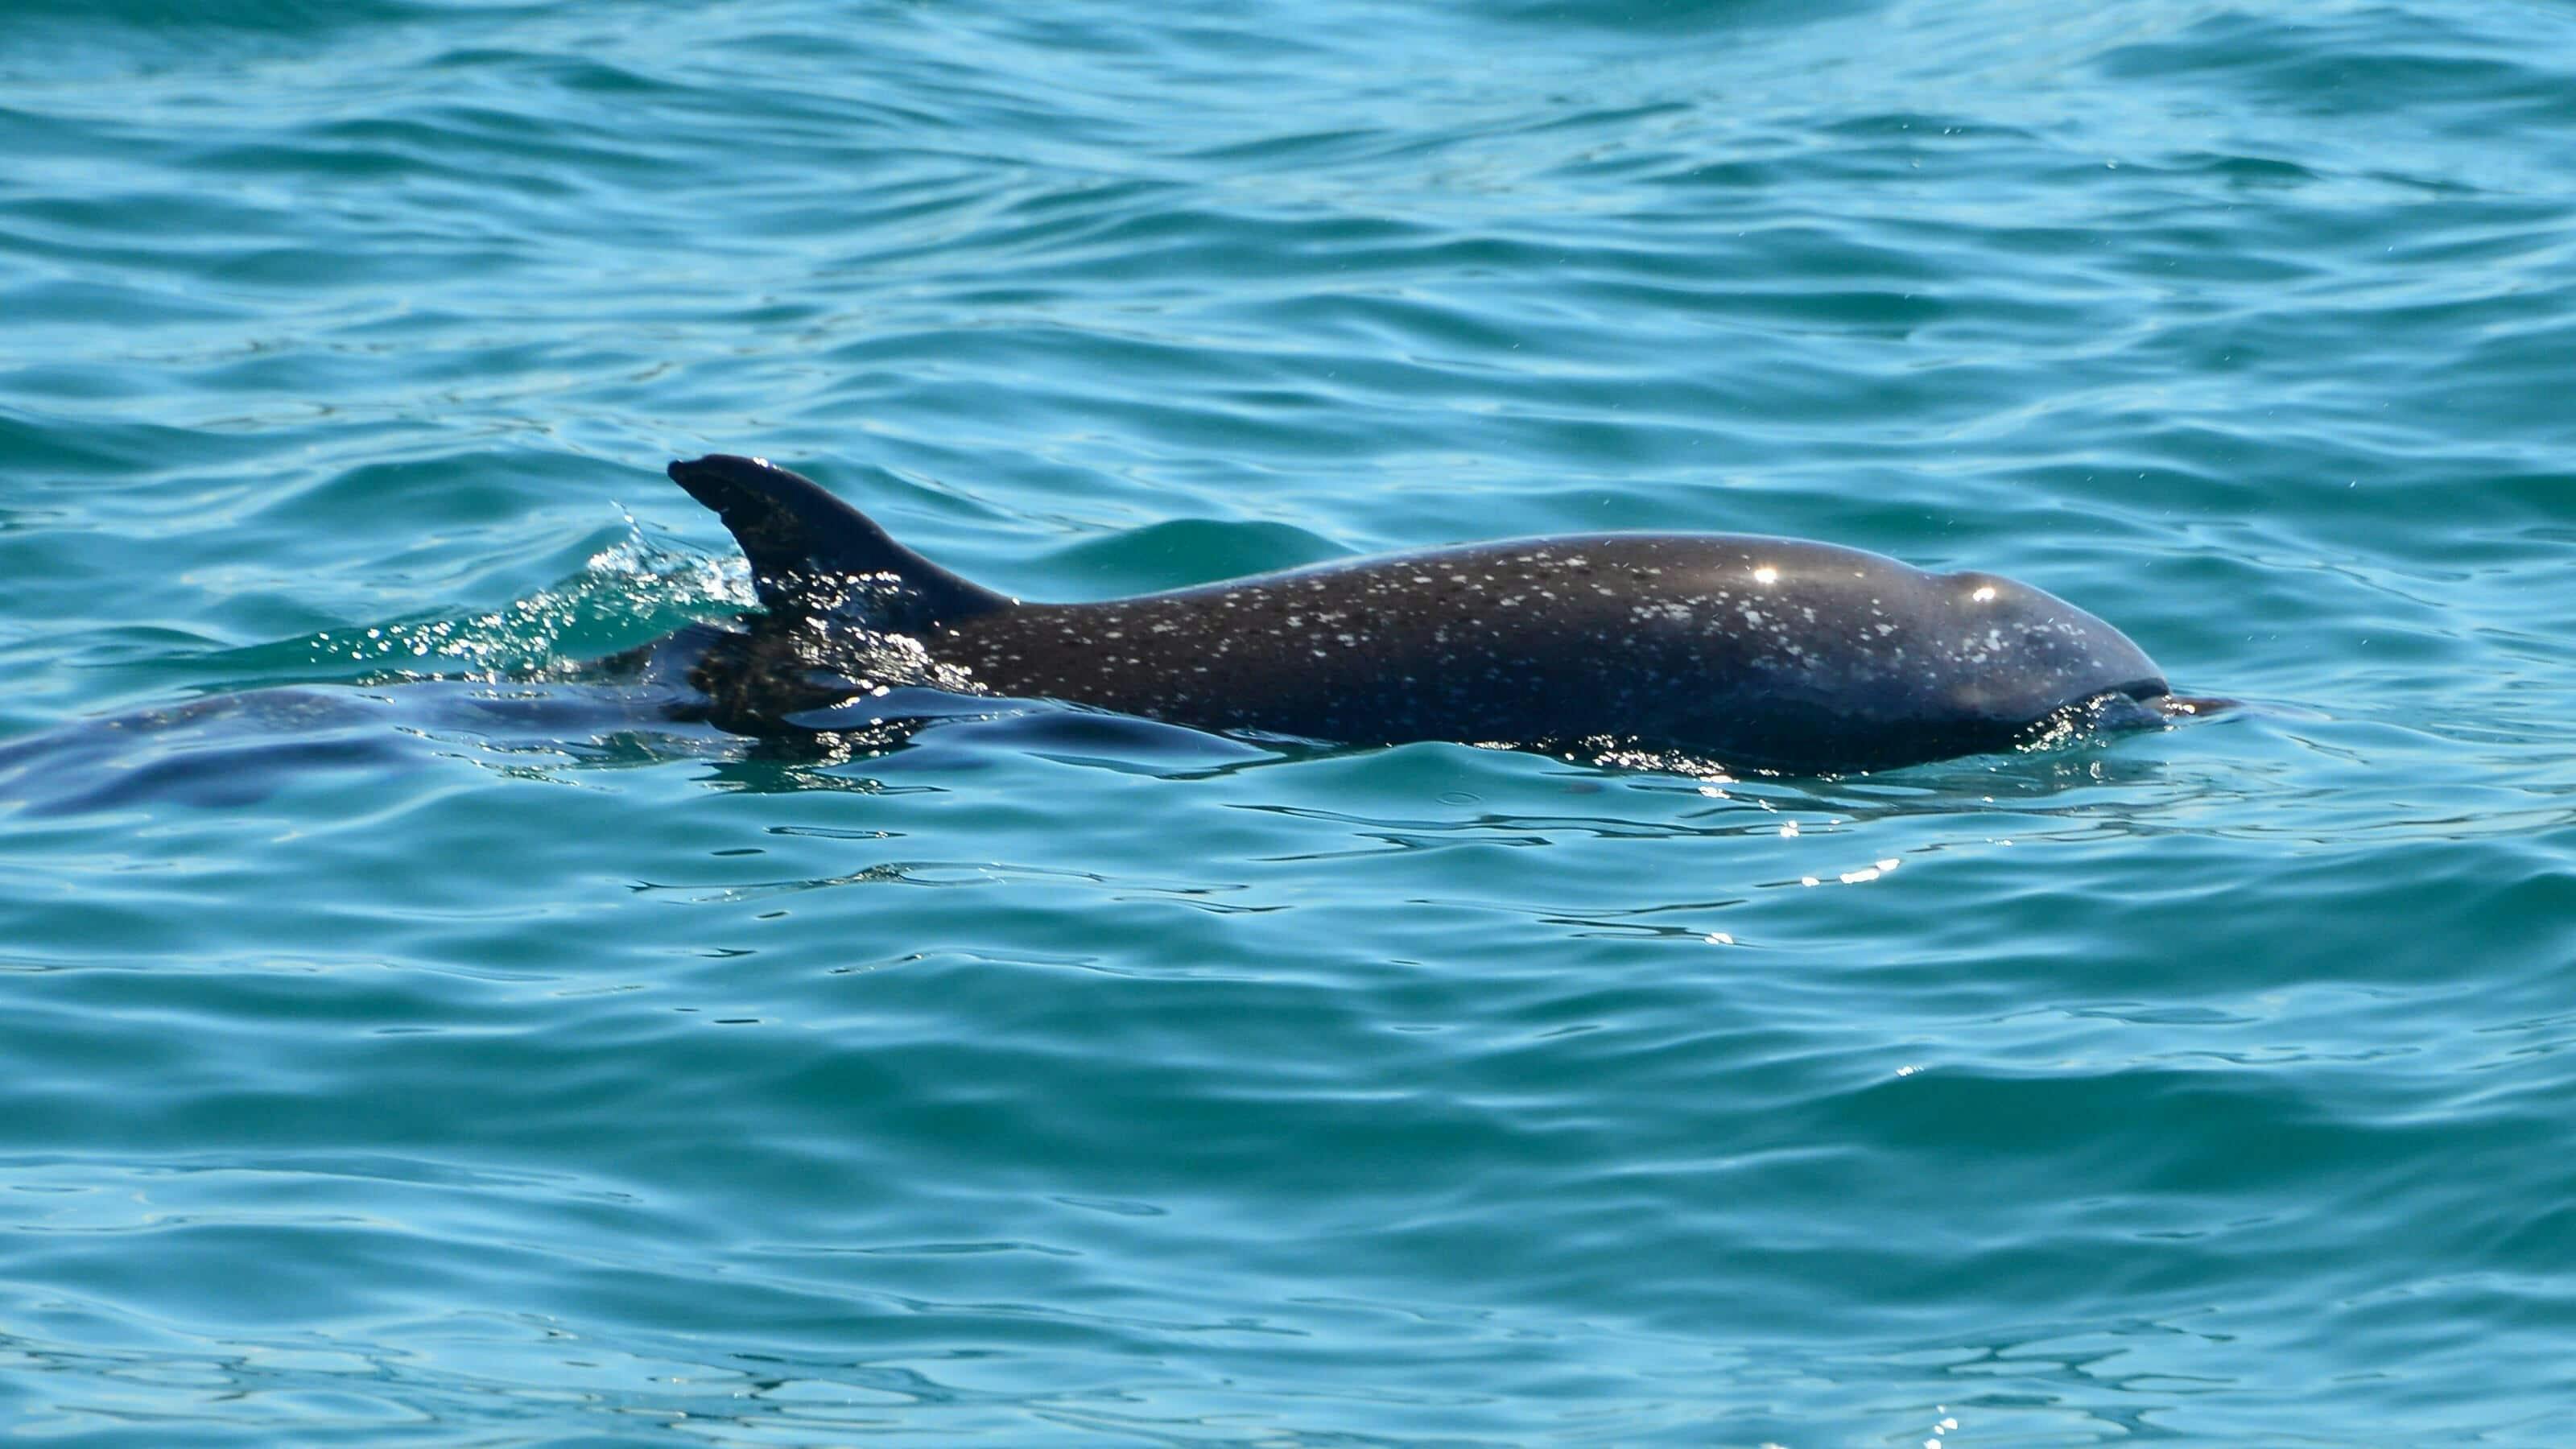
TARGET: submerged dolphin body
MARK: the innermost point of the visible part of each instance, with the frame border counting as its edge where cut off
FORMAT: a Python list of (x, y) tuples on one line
[(1747, 652)]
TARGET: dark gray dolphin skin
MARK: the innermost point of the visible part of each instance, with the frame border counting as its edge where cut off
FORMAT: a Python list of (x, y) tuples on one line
[(1751, 653)]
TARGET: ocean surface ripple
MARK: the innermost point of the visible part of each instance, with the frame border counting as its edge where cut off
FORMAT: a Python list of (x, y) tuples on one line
[(400, 1055)]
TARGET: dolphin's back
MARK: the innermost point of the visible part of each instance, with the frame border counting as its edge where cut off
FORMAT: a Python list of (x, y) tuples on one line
[(1764, 652), (1761, 652)]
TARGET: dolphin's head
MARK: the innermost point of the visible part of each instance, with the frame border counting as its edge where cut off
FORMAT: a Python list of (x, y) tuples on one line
[(1834, 658), (2011, 655)]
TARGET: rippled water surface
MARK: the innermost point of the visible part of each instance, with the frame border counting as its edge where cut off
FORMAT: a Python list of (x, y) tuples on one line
[(452, 1063)]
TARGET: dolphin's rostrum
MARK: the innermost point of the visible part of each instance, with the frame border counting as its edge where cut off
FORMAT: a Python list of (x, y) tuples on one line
[(1745, 652)]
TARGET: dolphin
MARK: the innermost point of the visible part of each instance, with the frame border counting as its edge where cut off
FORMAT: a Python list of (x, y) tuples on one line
[(1734, 650)]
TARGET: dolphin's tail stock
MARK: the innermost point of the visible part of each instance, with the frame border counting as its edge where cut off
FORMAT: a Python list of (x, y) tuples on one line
[(811, 554)]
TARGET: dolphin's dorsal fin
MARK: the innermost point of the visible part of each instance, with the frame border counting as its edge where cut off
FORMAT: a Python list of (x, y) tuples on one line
[(813, 554)]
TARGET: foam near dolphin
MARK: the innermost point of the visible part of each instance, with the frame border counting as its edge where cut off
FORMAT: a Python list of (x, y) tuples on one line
[(1749, 652)]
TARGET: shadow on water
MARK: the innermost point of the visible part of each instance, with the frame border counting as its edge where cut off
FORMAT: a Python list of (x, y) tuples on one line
[(229, 750), (236, 749)]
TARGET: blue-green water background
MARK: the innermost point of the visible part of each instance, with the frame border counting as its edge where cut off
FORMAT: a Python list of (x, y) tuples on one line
[(384, 1077)]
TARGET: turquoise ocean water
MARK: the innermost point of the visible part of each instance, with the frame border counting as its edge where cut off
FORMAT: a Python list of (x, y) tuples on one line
[(383, 1065)]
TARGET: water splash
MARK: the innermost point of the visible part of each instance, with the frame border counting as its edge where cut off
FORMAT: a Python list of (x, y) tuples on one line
[(631, 591)]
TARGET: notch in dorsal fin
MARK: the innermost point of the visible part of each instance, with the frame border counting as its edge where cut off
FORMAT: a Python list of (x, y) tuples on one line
[(813, 554)]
